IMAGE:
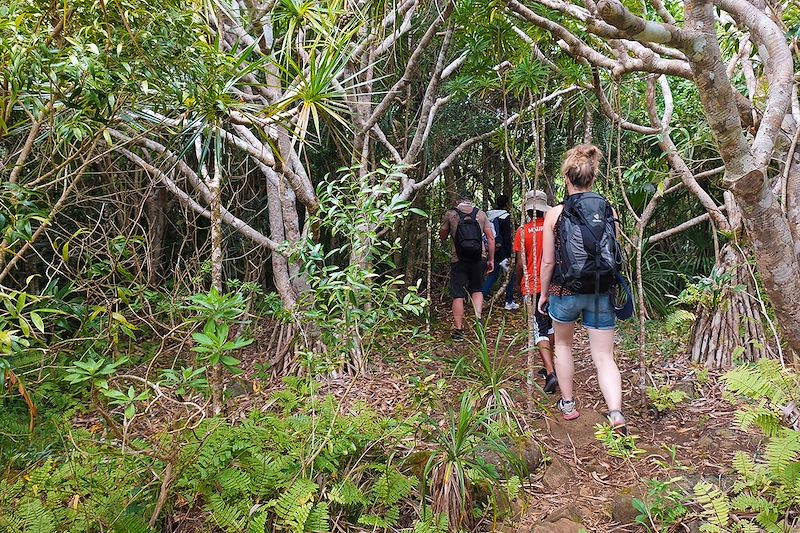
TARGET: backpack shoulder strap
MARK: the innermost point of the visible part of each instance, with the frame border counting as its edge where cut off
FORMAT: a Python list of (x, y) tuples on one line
[(475, 212)]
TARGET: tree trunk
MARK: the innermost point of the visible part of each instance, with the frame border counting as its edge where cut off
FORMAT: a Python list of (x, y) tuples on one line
[(588, 125), (729, 329), (155, 211), (214, 186), (280, 265)]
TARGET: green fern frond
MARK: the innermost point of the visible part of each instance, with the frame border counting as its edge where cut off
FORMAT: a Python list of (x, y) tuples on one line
[(746, 526), (36, 518), (294, 506), (301, 492), (743, 464), (783, 451), (715, 504), (233, 482), (318, 520), (268, 473), (347, 493), (40, 476), (747, 502), (768, 519), (226, 516), (389, 519), (430, 523), (9, 523), (765, 380), (258, 524), (131, 523), (767, 420), (678, 320), (392, 486)]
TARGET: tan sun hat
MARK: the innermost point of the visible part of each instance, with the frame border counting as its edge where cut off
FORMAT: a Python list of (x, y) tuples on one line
[(536, 201)]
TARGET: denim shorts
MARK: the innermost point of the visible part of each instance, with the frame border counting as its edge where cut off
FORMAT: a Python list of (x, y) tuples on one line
[(597, 311)]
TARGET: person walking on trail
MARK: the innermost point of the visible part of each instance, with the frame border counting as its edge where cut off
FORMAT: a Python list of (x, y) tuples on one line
[(580, 261), (500, 219), (467, 226), (535, 207)]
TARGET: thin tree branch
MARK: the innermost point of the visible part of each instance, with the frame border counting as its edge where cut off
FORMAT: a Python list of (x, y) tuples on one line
[(236, 223), (660, 236), (411, 67), (429, 101)]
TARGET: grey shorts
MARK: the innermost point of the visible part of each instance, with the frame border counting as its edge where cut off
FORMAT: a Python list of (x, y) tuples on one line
[(543, 324)]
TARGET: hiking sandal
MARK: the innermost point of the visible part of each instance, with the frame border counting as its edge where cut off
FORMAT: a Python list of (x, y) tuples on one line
[(617, 421)]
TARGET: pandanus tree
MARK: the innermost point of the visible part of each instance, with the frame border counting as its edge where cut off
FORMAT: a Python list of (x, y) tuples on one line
[(158, 138), (755, 133)]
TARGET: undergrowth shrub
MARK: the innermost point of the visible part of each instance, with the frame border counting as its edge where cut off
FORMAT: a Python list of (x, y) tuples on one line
[(662, 507), (665, 398), (87, 489), (276, 472), (302, 466), (354, 300), (460, 476), (767, 491)]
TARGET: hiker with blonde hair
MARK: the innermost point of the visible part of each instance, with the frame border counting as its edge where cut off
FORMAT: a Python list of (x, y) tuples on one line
[(581, 260)]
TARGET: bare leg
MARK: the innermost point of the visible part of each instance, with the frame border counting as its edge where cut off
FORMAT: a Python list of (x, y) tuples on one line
[(565, 366), (458, 313), (546, 354), (601, 342), (477, 303)]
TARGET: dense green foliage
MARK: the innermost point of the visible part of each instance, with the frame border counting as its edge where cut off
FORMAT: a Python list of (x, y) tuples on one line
[(192, 211)]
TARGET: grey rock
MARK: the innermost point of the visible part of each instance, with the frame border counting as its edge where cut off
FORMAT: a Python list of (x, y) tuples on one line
[(622, 510), (686, 386), (557, 475), (574, 514), (564, 525)]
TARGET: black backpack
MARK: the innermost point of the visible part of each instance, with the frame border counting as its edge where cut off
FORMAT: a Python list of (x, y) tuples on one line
[(588, 256), (468, 237)]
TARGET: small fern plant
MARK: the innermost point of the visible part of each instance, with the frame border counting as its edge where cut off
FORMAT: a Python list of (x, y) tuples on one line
[(617, 444), (665, 398), (767, 491)]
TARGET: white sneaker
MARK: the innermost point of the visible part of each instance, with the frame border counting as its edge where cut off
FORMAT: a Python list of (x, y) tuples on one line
[(513, 306)]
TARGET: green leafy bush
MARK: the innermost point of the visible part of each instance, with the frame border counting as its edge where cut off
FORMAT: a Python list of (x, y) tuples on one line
[(354, 301), (665, 398), (662, 506), (90, 489), (768, 486), (293, 470)]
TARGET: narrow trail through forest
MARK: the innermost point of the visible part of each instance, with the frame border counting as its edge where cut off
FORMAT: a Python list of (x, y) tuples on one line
[(578, 485), (581, 485)]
